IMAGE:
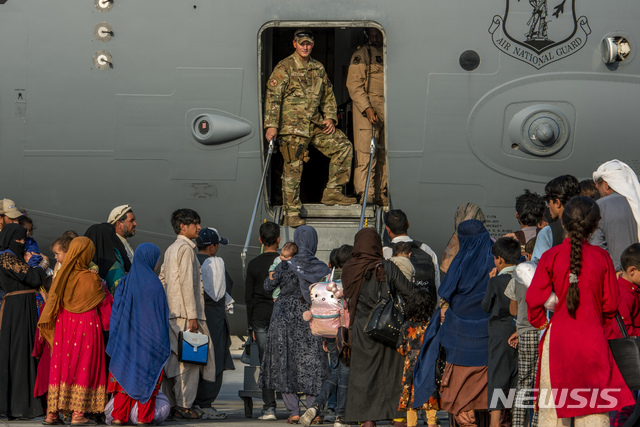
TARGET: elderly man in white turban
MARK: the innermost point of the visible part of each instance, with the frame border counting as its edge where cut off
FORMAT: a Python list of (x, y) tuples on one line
[(124, 220), (619, 205)]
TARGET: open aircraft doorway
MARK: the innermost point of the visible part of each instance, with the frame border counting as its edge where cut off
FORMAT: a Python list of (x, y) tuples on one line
[(334, 45)]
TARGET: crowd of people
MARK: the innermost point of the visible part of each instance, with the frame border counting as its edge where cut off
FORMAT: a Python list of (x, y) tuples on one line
[(97, 334)]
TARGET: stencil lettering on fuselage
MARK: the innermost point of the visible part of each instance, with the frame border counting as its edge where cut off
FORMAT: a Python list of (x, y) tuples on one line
[(539, 32)]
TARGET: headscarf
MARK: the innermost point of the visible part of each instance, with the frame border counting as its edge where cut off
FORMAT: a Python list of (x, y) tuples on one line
[(624, 181), (464, 334), (74, 288), (305, 264), (366, 254), (139, 335), (8, 236), (464, 212), (106, 242)]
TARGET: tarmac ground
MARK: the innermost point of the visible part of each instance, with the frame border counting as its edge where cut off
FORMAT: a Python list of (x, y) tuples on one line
[(228, 401)]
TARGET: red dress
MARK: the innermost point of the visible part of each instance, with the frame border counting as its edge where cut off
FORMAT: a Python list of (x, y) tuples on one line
[(77, 376), (579, 354), (123, 403), (629, 309), (41, 349)]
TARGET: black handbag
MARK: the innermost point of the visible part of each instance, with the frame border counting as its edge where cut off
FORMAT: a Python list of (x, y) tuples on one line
[(386, 318), (626, 352)]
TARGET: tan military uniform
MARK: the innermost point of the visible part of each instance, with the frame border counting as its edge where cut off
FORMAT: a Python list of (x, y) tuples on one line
[(365, 82), (299, 97)]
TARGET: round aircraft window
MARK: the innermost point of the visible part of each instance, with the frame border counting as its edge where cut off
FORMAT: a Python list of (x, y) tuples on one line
[(469, 60)]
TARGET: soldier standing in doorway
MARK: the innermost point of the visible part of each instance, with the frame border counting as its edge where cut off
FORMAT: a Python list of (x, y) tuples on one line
[(301, 107), (365, 82)]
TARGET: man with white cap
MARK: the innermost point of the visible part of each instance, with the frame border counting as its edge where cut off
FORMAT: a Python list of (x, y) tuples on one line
[(123, 219), (9, 213), (619, 206)]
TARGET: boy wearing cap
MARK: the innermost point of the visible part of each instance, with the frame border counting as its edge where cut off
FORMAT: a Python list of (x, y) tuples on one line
[(180, 275), (217, 286), (300, 106)]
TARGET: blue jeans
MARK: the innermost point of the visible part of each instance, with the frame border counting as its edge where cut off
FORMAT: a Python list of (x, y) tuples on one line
[(336, 384), (332, 402), (260, 330)]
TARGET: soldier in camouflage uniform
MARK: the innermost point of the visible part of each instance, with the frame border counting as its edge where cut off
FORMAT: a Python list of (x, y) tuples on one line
[(301, 107), (365, 82)]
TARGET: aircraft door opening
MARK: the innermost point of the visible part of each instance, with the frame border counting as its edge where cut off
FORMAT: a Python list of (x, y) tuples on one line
[(334, 45)]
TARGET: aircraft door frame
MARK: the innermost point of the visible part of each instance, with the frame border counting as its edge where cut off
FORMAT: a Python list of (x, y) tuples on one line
[(273, 47)]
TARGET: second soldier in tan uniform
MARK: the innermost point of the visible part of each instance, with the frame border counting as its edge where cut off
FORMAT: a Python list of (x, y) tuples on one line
[(365, 82), (301, 107)]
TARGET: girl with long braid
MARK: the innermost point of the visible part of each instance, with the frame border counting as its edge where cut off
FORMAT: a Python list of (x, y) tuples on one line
[(577, 375)]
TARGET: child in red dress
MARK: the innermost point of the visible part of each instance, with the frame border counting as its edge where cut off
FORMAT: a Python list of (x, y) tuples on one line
[(577, 375)]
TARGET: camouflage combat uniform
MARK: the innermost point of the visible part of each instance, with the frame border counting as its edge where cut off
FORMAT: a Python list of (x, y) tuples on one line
[(365, 82), (299, 97)]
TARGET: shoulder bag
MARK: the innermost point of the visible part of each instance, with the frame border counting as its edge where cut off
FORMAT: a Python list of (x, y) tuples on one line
[(627, 355), (193, 347), (386, 318)]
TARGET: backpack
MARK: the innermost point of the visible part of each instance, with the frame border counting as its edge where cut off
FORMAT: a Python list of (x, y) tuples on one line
[(425, 269), (327, 311)]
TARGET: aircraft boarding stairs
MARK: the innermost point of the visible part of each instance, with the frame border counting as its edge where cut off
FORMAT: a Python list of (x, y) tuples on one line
[(335, 225)]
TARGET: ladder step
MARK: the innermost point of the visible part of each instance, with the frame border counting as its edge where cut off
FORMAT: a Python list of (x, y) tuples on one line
[(324, 211)]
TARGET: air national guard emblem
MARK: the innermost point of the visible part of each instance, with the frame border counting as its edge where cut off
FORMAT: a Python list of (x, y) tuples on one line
[(539, 32)]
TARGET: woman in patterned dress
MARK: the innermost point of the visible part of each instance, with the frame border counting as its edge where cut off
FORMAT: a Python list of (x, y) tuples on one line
[(77, 311)]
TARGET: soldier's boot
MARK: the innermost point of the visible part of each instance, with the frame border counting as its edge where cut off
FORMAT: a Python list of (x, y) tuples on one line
[(369, 199), (382, 200), (293, 220), (333, 196)]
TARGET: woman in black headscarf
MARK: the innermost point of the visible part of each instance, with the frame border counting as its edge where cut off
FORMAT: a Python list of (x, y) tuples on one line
[(375, 377), (293, 359), (111, 255), (18, 320)]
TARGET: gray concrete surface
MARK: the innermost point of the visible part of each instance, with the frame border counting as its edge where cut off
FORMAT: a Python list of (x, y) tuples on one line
[(228, 401)]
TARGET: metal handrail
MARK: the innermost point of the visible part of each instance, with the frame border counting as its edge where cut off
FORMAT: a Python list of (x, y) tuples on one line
[(243, 254), (372, 150)]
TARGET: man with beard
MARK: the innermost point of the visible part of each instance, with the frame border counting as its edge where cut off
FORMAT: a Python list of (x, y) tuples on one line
[(123, 219)]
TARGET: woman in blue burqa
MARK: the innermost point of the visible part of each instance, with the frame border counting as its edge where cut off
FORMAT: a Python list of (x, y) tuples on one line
[(464, 332), (293, 357), (139, 338)]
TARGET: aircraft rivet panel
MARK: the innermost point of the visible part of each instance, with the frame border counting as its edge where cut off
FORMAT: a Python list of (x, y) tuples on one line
[(103, 32), (102, 60), (103, 5)]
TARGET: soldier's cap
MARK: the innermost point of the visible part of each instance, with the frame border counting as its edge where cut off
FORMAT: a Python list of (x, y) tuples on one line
[(303, 35), (9, 209), (210, 236)]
